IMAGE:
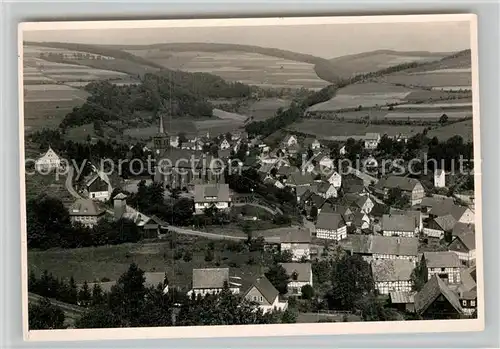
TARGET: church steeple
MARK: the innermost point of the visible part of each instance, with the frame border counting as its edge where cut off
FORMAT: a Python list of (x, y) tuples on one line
[(161, 140), (162, 131)]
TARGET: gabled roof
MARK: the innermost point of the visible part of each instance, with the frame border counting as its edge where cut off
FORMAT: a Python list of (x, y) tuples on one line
[(455, 211), (391, 270), (266, 289), (355, 200), (391, 245), (299, 178), (302, 270), (431, 291), (441, 259), (99, 175), (467, 239), (403, 183), (210, 277), (211, 193), (329, 221), (85, 207), (392, 222), (120, 196), (413, 213), (446, 222), (296, 235), (462, 228)]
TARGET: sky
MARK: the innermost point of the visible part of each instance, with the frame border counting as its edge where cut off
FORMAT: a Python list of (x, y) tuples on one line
[(326, 40)]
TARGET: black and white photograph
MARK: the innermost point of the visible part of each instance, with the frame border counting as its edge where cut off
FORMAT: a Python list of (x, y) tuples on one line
[(223, 177)]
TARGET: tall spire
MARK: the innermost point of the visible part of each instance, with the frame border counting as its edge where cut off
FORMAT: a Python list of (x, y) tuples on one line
[(162, 131)]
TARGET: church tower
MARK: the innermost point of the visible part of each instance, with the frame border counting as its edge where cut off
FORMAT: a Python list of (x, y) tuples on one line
[(161, 140)]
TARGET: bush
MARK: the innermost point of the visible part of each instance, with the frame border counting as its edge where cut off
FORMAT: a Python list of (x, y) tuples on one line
[(209, 255), (188, 256), (178, 254), (307, 292)]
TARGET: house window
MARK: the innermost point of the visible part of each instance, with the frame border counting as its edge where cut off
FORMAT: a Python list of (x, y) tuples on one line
[(464, 303), (442, 269), (255, 298), (261, 299), (473, 303)]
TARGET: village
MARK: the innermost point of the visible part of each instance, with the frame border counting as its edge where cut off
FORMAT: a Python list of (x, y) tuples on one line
[(416, 236)]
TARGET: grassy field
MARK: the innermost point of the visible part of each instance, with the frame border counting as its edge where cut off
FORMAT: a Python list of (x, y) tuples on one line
[(264, 108), (431, 79), (247, 67), (38, 184), (95, 263), (376, 60), (463, 129), (326, 128)]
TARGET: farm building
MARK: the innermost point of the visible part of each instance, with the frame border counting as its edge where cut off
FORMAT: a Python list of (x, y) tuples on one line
[(207, 195), (48, 162), (212, 280), (376, 247), (392, 275), (298, 242), (331, 226), (446, 265), (399, 225), (300, 275)]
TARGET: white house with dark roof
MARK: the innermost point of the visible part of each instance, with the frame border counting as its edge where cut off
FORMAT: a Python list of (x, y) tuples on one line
[(331, 226), (265, 295), (410, 187), (48, 162), (300, 274), (417, 215), (446, 265), (464, 246), (86, 212), (213, 280), (362, 202), (399, 225), (206, 195), (439, 178), (298, 242), (392, 275), (312, 143), (289, 141), (336, 179), (376, 247), (372, 140), (99, 187)]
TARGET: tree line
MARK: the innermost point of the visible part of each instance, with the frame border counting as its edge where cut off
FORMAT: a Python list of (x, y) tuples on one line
[(49, 225), (131, 303)]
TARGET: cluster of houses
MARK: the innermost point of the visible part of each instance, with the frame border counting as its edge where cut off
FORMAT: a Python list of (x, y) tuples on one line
[(348, 208)]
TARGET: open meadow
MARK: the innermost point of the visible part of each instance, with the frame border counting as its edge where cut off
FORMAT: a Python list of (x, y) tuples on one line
[(109, 262), (326, 128), (246, 67)]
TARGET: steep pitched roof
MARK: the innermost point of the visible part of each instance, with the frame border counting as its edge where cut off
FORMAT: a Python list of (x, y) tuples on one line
[(266, 289), (302, 270), (467, 239), (441, 259), (391, 245), (85, 207), (431, 291), (404, 223), (446, 222), (210, 277), (391, 270), (329, 221)]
